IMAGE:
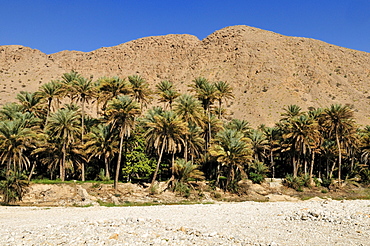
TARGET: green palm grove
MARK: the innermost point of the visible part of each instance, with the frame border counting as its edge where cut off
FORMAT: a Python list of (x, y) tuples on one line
[(77, 128)]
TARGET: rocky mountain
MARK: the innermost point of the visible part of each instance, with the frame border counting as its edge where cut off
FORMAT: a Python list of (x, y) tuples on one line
[(268, 71)]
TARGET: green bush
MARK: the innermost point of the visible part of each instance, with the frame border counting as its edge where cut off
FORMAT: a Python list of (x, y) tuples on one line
[(182, 188), (256, 178), (294, 182), (13, 187)]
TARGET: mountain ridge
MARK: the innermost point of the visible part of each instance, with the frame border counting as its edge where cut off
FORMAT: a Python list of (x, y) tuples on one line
[(268, 71)]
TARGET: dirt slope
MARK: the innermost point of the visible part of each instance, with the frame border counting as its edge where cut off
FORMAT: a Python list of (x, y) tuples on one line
[(267, 70)]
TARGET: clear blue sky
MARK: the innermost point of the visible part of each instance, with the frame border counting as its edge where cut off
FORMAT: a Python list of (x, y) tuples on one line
[(86, 25)]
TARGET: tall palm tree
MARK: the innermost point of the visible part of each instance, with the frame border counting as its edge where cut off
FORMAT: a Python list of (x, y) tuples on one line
[(111, 87), (165, 132), (30, 102), (194, 141), (206, 92), (140, 89), (167, 93), (15, 139), (224, 92), (272, 134), (82, 90), (190, 110), (11, 111), (101, 142), (232, 150), (64, 126), (302, 135), (338, 120), (290, 112), (242, 126), (121, 112), (50, 91), (259, 145)]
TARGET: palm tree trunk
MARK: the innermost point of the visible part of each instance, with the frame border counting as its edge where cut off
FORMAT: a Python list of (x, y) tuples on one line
[(295, 169), (186, 148), (118, 167), (32, 169), (48, 113), (157, 167), (339, 159), (62, 168), (107, 175), (311, 168), (272, 163), (230, 177), (82, 136)]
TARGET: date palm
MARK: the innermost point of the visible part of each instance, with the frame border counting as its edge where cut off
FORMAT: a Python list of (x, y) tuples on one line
[(242, 126), (206, 92), (64, 126), (10, 111), (164, 132), (121, 112), (102, 143), (302, 135), (30, 102), (110, 87), (339, 122), (190, 110), (140, 89), (50, 91), (82, 90), (166, 92), (259, 145), (224, 92), (232, 150), (15, 138)]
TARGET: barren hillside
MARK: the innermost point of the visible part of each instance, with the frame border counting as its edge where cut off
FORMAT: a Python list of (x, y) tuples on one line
[(267, 70)]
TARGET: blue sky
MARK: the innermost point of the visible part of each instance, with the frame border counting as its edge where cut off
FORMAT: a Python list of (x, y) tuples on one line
[(86, 25)]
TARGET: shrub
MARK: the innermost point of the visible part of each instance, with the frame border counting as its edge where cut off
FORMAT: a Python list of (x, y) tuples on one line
[(256, 178), (294, 182), (13, 187)]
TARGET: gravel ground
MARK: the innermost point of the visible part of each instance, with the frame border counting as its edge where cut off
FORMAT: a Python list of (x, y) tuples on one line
[(319, 222)]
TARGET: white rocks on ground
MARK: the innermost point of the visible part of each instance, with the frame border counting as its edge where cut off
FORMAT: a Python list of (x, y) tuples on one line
[(319, 222)]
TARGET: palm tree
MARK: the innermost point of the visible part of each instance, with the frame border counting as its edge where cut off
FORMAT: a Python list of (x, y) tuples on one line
[(190, 110), (166, 92), (30, 102), (64, 126), (194, 141), (291, 111), (82, 90), (186, 171), (10, 111), (164, 131), (111, 87), (121, 112), (50, 91), (338, 121), (140, 89), (272, 134), (224, 92), (259, 145), (232, 150), (15, 138), (101, 142), (302, 135), (206, 92), (242, 126)]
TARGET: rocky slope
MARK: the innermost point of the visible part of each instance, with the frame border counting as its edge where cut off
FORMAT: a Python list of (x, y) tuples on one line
[(268, 71)]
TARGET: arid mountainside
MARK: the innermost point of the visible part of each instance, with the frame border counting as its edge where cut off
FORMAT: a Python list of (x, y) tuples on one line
[(268, 71)]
